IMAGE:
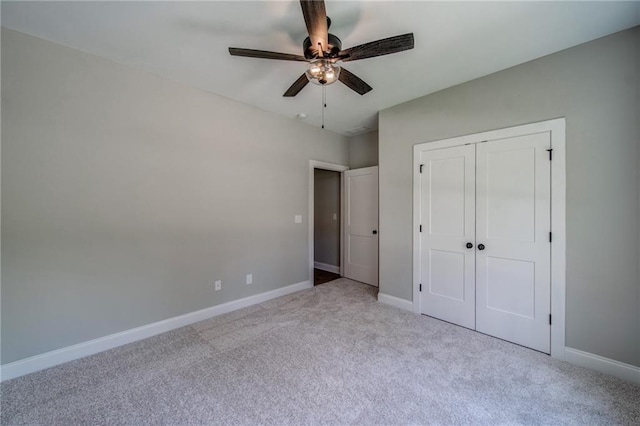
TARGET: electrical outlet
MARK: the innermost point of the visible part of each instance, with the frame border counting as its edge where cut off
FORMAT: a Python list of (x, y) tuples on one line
[(249, 278), (297, 218), (218, 285), (335, 216)]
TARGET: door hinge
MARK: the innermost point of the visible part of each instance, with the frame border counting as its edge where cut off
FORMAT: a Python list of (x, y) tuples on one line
[(420, 287), (550, 150), (420, 228), (550, 236), (421, 166), (549, 319)]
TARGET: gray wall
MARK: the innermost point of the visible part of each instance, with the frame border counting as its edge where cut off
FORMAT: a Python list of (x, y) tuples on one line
[(326, 230), (125, 195), (363, 150), (595, 86)]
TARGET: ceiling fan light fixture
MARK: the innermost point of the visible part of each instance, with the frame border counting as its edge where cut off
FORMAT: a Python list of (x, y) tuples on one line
[(322, 72), (323, 49)]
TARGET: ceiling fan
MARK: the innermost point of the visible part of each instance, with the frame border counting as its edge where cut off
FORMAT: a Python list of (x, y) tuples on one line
[(323, 51)]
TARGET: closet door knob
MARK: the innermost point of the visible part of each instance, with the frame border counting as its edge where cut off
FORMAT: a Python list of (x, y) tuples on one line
[(480, 246), (469, 245)]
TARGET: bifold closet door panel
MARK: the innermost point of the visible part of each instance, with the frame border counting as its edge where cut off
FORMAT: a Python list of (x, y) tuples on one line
[(447, 212), (513, 205)]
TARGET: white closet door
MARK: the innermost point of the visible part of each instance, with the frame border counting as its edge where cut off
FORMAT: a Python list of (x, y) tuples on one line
[(361, 225), (512, 225), (447, 266)]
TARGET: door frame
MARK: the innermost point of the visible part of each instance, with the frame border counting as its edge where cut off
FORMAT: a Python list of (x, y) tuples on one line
[(314, 164), (557, 129)]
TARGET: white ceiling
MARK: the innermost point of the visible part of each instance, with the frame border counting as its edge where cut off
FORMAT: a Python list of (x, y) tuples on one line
[(187, 42)]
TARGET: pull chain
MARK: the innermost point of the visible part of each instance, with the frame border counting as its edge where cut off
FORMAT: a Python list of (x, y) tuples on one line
[(324, 101)]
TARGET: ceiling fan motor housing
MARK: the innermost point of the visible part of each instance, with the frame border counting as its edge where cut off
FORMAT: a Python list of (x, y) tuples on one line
[(334, 47)]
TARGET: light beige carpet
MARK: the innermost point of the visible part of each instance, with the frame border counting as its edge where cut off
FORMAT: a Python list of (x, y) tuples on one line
[(327, 355)]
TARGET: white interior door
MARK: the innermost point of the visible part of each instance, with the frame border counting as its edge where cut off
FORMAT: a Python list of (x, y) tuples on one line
[(447, 193), (361, 225), (513, 257), (484, 243)]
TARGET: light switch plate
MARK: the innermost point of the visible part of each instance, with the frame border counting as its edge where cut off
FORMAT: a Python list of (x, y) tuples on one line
[(298, 218)]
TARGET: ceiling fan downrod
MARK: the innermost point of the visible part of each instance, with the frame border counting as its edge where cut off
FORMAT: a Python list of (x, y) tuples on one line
[(331, 50)]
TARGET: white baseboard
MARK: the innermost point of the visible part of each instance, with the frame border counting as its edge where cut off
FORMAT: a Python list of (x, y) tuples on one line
[(599, 363), (395, 301), (326, 267), (90, 347)]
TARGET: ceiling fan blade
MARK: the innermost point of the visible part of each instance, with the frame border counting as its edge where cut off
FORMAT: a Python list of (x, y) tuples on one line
[(265, 54), (315, 17), (354, 82), (378, 48), (297, 86)]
